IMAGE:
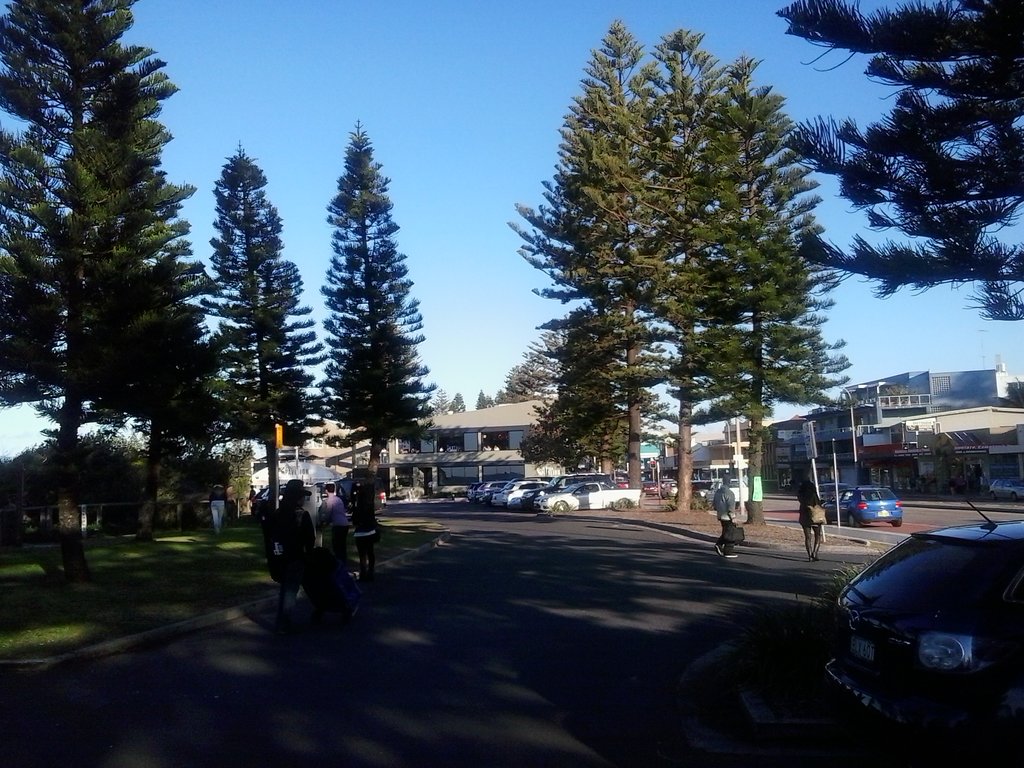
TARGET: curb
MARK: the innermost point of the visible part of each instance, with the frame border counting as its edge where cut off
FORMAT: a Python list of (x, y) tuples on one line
[(162, 634)]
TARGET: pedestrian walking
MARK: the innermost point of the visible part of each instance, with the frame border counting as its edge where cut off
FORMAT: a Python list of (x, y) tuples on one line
[(724, 502), (336, 513), (807, 496), (218, 506), (366, 533), (290, 540)]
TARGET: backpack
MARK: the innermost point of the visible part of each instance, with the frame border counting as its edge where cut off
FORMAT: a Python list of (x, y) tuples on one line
[(281, 540)]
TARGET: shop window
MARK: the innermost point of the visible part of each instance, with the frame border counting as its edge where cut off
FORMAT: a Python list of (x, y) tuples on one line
[(450, 443), (494, 441), (503, 472), (456, 475)]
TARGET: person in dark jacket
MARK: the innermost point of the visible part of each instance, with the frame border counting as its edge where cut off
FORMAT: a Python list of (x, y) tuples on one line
[(807, 496), (364, 524), (292, 538)]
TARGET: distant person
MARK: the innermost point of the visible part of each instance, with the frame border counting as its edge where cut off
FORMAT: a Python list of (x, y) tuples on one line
[(336, 513), (724, 502), (252, 499), (218, 506), (366, 534), (807, 496), (290, 540)]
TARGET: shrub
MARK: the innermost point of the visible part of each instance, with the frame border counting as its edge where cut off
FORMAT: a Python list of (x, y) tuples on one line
[(782, 652)]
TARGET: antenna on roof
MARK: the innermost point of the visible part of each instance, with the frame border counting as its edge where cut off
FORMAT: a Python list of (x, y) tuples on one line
[(988, 522)]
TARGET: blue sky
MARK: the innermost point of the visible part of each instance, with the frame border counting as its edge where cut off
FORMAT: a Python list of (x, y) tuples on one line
[(463, 102)]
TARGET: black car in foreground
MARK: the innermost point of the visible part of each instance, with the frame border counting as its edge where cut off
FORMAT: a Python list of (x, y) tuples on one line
[(931, 635)]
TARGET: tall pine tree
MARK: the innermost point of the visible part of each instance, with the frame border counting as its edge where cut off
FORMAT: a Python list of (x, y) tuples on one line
[(944, 166), (87, 221), (269, 349), (687, 150), (375, 381), (771, 324), (589, 237)]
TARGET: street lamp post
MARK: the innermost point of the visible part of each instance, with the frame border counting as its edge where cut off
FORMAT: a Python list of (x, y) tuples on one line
[(853, 437)]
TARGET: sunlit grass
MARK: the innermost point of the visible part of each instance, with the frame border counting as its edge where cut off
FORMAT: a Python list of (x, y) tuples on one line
[(137, 586)]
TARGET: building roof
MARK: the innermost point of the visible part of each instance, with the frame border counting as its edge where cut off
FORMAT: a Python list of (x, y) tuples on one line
[(507, 415)]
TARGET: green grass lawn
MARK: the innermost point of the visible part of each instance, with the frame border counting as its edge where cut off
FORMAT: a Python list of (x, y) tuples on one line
[(140, 586)]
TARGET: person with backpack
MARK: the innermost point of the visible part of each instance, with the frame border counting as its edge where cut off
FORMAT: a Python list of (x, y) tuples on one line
[(290, 539)]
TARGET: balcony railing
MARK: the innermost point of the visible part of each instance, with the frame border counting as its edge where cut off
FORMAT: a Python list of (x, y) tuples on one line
[(904, 401)]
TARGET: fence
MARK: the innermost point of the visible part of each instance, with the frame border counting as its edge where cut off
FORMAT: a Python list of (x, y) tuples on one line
[(41, 523)]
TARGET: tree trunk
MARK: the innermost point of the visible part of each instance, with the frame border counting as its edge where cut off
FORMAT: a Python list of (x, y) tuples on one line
[(148, 509), (684, 459), (755, 441), (69, 517)]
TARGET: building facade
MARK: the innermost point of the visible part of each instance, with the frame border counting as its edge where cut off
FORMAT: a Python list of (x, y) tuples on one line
[(935, 432)]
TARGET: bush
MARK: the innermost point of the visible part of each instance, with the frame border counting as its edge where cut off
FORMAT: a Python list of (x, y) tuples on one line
[(782, 652), (623, 504)]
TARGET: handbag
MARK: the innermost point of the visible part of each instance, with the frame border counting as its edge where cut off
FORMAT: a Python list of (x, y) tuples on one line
[(736, 535), (818, 515)]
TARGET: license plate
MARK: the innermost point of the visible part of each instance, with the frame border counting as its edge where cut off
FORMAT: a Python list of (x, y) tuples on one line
[(862, 649), (883, 513)]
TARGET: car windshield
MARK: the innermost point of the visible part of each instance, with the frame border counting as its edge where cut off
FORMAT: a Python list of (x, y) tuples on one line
[(925, 574)]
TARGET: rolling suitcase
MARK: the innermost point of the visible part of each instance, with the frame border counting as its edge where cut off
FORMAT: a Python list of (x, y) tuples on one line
[(328, 584)]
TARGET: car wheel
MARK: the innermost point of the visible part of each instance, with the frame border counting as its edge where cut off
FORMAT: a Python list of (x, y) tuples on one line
[(852, 521), (560, 506), (897, 523), (993, 495), (1013, 496)]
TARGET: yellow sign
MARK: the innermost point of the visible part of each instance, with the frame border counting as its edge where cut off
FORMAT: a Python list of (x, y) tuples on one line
[(279, 435)]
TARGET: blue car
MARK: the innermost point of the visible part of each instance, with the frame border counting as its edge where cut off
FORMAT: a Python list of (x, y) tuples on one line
[(865, 504)]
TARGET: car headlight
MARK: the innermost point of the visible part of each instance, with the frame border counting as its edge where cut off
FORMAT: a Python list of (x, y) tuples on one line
[(948, 652), (944, 652)]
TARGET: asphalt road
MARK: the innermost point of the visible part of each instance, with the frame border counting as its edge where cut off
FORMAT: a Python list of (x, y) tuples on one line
[(523, 641)]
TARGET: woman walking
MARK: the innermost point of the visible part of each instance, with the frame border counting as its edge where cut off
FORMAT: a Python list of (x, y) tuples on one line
[(807, 495), (364, 521)]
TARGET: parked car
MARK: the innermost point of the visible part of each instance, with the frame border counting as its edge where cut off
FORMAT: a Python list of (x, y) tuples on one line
[(702, 488), (650, 488), (471, 490), (932, 633), (1006, 489), (559, 483), (865, 504), (827, 490), (592, 495), (668, 488), (512, 493), (311, 503), (486, 490), (346, 484), (530, 500)]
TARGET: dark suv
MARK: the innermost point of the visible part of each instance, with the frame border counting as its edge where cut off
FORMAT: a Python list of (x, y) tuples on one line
[(931, 635)]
